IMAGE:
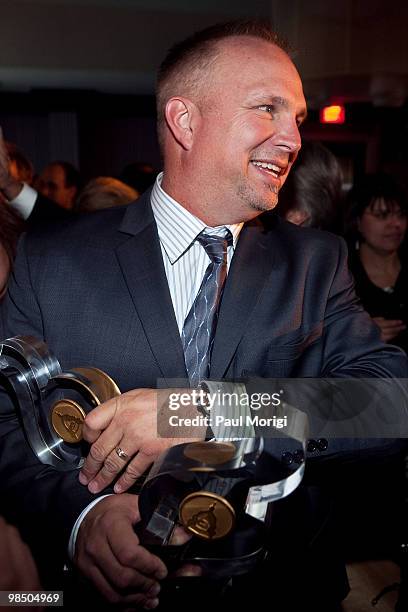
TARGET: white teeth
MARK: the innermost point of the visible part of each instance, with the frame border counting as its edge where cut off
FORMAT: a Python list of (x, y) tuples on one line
[(268, 166)]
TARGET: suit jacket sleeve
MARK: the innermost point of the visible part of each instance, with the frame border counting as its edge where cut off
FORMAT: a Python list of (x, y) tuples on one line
[(352, 345), (46, 503), (43, 503), (348, 347)]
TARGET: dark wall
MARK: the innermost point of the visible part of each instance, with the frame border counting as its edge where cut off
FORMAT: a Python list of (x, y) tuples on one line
[(99, 133)]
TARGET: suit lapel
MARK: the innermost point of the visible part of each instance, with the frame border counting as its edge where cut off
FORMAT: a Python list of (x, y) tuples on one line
[(142, 266), (250, 268)]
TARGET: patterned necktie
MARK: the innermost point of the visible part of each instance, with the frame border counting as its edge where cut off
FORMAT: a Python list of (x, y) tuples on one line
[(199, 327)]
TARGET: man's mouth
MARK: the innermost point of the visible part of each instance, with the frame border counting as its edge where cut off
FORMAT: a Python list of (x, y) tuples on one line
[(271, 167)]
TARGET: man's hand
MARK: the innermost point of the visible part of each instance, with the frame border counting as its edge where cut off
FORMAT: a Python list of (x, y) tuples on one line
[(17, 568), (126, 425), (109, 554), (390, 328), (9, 186)]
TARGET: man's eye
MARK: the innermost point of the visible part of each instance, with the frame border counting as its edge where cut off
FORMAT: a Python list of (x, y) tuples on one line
[(268, 108)]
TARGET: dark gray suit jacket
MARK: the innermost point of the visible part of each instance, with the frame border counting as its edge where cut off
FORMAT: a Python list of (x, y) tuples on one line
[(46, 210), (95, 290)]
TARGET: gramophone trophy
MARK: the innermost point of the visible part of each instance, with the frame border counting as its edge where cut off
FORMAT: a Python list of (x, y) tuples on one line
[(218, 491)]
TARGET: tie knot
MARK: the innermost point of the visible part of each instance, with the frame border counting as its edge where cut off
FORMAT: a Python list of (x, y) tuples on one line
[(216, 246)]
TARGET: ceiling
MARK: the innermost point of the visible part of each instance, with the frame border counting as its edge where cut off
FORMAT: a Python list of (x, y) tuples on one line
[(353, 50)]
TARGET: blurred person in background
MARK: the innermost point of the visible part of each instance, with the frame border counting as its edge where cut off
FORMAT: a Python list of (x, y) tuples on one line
[(20, 167), (376, 225), (17, 568), (60, 182), (10, 228), (312, 197), (312, 194), (104, 192), (288, 314), (11, 225), (16, 176)]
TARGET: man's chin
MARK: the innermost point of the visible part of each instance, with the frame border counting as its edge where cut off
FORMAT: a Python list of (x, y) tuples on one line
[(262, 206), (257, 201)]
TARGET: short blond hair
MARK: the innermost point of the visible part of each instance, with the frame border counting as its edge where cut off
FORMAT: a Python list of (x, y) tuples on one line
[(104, 192), (186, 68)]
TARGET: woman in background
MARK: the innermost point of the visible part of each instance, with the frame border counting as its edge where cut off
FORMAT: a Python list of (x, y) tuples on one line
[(376, 228), (104, 192), (312, 193)]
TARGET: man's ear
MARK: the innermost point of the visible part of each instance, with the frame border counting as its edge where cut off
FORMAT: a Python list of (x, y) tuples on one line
[(181, 115)]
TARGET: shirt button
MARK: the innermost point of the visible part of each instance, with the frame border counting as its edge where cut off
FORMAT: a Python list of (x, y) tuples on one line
[(322, 444), (311, 446), (299, 456), (287, 458)]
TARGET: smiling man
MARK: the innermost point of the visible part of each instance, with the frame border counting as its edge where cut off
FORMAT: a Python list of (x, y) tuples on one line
[(235, 133), (127, 291)]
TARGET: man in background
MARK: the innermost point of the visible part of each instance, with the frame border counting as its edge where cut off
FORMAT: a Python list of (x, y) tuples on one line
[(54, 196), (60, 182)]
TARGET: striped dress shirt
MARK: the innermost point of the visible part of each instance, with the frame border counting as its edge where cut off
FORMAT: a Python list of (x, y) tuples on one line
[(185, 260), (185, 263)]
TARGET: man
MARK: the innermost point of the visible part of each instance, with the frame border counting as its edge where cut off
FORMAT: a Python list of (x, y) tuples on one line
[(119, 286), (59, 182)]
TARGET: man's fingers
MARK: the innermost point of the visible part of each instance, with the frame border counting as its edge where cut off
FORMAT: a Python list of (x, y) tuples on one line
[(124, 579), (180, 536), (133, 471), (113, 595), (103, 586), (119, 429), (98, 419), (135, 556), (99, 452), (109, 554), (188, 570), (101, 475)]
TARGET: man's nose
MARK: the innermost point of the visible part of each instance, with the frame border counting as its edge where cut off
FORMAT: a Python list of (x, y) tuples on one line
[(288, 137)]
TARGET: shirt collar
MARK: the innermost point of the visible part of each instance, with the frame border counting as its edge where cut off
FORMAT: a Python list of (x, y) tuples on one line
[(177, 227)]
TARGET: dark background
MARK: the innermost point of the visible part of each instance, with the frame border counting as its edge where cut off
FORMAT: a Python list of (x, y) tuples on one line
[(77, 78)]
